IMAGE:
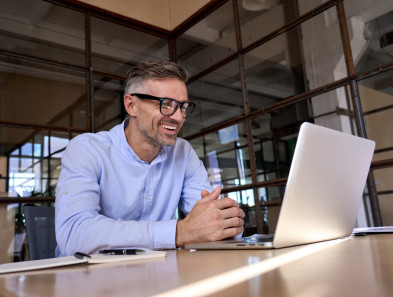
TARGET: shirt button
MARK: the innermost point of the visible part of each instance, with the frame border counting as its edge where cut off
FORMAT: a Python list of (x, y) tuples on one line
[(148, 197)]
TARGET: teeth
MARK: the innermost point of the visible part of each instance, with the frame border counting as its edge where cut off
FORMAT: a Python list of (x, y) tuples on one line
[(168, 127)]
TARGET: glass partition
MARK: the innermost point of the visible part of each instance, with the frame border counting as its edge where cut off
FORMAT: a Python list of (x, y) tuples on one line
[(376, 94), (32, 92), (383, 180), (273, 153), (33, 164), (218, 97), (370, 26), (44, 30), (207, 42), (117, 48), (270, 200), (108, 103), (334, 110), (225, 155), (260, 18)]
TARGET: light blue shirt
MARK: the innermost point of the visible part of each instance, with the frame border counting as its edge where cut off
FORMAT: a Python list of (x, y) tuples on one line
[(108, 197)]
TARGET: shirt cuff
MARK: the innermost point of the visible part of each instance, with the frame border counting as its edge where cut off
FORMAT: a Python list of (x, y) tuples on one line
[(165, 234)]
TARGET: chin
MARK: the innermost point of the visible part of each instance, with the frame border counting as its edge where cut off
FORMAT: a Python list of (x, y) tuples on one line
[(165, 141), (170, 143)]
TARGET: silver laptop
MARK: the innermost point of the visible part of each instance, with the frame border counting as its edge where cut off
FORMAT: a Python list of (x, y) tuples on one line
[(323, 192)]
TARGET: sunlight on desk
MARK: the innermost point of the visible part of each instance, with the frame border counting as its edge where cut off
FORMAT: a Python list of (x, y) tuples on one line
[(231, 278)]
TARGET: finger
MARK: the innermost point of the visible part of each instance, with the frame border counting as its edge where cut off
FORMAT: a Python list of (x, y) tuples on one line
[(231, 232), (204, 193), (226, 203), (233, 212), (233, 223), (213, 195)]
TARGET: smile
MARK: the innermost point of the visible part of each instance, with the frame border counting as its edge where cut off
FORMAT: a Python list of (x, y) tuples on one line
[(168, 127)]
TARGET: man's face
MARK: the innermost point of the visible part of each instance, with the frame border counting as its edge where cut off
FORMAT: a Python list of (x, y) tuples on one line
[(153, 127)]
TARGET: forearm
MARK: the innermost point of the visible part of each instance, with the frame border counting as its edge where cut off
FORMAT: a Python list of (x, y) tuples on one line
[(88, 235)]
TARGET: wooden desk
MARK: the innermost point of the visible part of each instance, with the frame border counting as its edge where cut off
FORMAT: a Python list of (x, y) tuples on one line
[(358, 266)]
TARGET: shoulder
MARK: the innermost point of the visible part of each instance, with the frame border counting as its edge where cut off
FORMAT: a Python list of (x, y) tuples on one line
[(100, 143), (101, 138), (89, 139)]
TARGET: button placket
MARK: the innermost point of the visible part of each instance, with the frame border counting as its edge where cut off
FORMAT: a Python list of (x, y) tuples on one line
[(148, 197)]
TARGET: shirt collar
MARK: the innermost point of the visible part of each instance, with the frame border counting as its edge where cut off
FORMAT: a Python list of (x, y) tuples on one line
[(161, 156)]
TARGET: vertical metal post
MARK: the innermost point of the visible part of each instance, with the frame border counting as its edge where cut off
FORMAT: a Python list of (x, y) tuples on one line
[(172, 50), (248, 121), (48, 188), (89, 76), (357, 108)]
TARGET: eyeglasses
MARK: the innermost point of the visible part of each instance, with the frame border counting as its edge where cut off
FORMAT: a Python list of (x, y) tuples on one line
[(168, 106)]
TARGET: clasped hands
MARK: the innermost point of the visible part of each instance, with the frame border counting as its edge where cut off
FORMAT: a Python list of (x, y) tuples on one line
[(211, 219)]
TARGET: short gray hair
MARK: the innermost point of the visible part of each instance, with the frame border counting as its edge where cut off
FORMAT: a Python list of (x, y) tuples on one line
[(138, 75)]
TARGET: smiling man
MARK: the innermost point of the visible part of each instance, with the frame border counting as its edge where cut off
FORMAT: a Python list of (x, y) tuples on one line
[(121, 188)]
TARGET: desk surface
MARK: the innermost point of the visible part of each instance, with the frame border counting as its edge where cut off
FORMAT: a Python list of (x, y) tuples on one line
[(357, 266)]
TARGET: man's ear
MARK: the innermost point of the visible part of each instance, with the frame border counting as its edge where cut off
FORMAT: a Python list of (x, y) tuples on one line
[(130, 104)]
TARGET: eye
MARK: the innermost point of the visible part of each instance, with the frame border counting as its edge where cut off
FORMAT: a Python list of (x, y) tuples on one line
[(184, 106), (169, 103), (166, 103)]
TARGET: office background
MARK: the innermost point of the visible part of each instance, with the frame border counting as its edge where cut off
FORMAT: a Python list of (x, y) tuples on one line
[(258, 70)]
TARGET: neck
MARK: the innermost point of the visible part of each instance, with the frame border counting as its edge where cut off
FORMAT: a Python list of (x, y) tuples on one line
[(145, 150)]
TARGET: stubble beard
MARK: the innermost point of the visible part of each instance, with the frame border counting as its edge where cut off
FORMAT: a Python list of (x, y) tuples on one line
[(156, 139)]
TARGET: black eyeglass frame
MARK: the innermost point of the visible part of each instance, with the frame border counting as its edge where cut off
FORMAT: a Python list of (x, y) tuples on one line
[(189, 108)]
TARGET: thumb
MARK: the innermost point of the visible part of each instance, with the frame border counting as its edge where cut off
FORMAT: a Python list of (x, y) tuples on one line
[(204, 193), (211, 196)]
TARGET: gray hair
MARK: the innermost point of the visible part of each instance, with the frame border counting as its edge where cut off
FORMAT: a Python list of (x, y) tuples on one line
[(138, 75)]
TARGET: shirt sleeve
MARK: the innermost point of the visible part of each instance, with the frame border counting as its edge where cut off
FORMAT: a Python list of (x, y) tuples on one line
[(79, 225), (196, 180)]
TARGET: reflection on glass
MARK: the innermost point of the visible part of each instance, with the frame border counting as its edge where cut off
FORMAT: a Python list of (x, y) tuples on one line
[(370, 28), (117, 48), (218, 98), (270, 203), (207, 42), (306, 5), (324, 60), (40, 29), (271, 194), (276, 70), (108, 103), (334, 110), (270, 75), (225, 155), (259, 18), (383, 181), (33, 160), (274, 144), (376, 94), (42, 94)]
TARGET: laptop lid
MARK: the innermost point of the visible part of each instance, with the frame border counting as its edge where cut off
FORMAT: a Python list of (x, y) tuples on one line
[(323, 192)]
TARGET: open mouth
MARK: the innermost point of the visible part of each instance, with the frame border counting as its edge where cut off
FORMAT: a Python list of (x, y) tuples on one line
[(168, 127)]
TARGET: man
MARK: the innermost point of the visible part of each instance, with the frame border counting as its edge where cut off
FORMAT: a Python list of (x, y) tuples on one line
[(121, 188)]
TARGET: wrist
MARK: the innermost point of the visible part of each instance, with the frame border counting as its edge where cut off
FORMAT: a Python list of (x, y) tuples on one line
[(180, 241)]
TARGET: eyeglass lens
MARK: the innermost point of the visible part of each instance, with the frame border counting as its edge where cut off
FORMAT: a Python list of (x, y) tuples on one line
[(169, 107)]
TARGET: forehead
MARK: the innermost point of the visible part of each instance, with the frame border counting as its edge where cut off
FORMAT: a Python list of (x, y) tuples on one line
[(170, 88)]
